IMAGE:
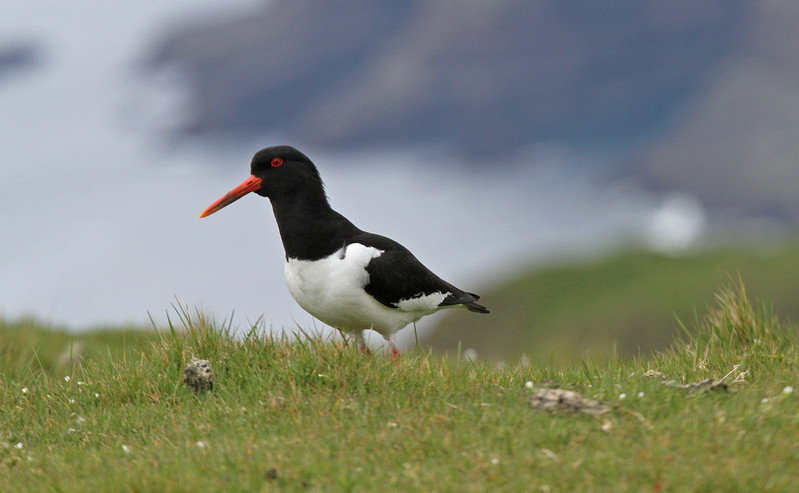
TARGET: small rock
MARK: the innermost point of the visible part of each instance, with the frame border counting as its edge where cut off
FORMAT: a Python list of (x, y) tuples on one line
[(707, 384), (566, 400), (548, 383), (199, 375), (655, 374)]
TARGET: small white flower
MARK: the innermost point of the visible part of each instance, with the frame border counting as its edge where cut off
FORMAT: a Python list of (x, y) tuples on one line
[(528, 384), (125, 449), (392, 424), (495, 461), (787, 390), (96, 395), (622, 396), (72, 401), (24, 390), (18, 445), (640, 394), (201, 444), (67, 379)]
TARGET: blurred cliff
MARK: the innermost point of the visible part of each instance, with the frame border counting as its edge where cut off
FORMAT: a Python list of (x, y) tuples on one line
[(695, 97), (484, 78)]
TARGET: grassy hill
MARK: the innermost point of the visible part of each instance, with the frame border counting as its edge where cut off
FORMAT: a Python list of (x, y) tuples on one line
[(629, 302), (29, 349), (714, 413)]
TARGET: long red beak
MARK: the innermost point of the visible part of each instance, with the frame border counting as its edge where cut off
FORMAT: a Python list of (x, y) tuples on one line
[(251, 184)]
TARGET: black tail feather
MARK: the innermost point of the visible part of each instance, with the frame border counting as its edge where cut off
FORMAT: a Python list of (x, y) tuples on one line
[(475, 307), (469, 300)]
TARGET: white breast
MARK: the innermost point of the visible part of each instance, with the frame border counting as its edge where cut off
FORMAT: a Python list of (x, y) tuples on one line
[(332, 290)]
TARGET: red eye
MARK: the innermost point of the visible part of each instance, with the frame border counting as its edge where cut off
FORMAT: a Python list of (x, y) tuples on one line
[(276, 161)]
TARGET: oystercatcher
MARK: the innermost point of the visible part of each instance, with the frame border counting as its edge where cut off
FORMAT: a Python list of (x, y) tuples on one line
[(349, 279)]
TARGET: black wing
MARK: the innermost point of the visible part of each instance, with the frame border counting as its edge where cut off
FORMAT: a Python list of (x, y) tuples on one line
[(398, 275)]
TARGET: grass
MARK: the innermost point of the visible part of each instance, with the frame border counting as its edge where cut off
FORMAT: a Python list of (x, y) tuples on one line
[(314, 414)]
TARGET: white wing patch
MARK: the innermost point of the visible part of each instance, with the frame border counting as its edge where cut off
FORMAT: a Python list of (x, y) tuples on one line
[(332, 290), (340, 275), (422, 302)]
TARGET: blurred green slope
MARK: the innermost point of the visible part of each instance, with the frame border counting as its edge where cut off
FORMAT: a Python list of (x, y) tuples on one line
[(28, 347), (632, 300)]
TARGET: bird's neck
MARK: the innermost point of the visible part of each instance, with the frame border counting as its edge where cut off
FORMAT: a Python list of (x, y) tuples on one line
[(310, 228)]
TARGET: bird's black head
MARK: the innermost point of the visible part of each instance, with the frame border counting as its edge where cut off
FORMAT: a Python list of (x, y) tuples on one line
[(284, 171), (281, 173)]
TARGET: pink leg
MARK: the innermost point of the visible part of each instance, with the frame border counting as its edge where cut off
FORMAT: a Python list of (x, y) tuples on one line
[(344, 336), (362, 344), (395, 352)]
